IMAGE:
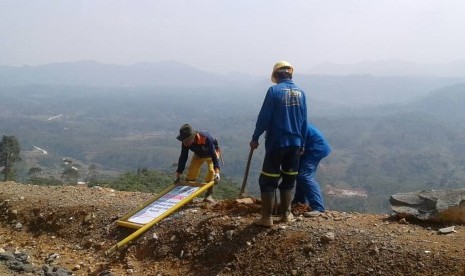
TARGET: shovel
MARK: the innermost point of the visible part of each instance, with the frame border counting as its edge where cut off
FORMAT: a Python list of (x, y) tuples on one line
[(246, 174)]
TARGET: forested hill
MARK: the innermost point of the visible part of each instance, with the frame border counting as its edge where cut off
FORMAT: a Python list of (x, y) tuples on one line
[(446, 104), (380, 149)]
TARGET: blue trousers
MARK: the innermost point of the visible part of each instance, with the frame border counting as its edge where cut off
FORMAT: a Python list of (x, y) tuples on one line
[(307, 189)]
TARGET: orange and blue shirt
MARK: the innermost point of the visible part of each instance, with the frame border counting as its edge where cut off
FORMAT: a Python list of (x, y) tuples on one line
[(204, 146)]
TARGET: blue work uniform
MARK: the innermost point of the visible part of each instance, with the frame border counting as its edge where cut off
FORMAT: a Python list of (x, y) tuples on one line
[(283, 116), (307, 188)]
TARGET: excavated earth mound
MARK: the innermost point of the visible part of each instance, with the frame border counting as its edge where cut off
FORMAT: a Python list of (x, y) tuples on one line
[(64, 230)]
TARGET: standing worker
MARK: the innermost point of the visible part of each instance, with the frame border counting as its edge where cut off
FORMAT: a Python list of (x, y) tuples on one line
[(205, 149), (283, 116), (307, 189)]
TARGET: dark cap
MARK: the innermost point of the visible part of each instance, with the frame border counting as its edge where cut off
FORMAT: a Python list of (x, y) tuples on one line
[(185, 132)]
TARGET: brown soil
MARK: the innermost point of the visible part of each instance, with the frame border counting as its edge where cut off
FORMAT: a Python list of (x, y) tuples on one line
[(78, 224)]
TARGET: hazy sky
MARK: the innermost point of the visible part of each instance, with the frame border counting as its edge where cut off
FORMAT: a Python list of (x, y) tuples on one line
[(231, 35)]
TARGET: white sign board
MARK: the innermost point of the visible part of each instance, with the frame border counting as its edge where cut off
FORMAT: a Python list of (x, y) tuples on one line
[(162, 204)]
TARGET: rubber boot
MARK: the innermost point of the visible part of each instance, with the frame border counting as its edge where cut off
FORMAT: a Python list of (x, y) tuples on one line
[(286, 197), (267, 208), (209, 196), (276, 206)]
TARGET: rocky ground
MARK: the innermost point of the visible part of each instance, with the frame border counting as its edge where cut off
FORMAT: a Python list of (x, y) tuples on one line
[(66, 230)]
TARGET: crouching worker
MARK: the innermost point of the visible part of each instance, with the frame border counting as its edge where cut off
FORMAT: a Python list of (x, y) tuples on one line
[(307, 189), (205, 150)]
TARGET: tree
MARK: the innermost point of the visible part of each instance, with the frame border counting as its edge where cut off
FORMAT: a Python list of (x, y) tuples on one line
[(9, 154), (34, 170), (70, 174), (92, 175)]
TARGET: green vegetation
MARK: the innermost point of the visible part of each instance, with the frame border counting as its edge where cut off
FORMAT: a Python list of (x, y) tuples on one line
[(143, 180), (149, 181), (9, 154), (50, 181)]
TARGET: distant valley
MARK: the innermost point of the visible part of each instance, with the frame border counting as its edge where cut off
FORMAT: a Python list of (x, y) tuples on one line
[(389, 134)]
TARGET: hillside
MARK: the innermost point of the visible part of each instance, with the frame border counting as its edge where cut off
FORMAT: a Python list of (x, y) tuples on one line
[(379, 149), (66, 228)]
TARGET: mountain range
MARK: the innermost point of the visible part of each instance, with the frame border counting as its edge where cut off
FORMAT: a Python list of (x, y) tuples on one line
[(335, 90), (173, 73), (392, 68), (92, 73)]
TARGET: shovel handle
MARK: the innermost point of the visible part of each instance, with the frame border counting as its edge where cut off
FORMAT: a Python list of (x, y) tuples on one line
[(246, 174)]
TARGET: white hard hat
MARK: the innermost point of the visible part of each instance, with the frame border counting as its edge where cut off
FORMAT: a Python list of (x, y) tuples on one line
[(281, 64)]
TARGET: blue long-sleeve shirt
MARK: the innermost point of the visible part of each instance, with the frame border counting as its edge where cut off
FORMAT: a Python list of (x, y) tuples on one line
[(316, 145), (283, 116)]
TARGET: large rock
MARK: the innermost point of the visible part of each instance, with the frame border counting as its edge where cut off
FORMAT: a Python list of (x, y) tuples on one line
[(431, 205)]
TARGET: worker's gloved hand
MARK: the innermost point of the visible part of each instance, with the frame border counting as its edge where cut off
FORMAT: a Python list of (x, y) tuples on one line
[(216, 177)]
